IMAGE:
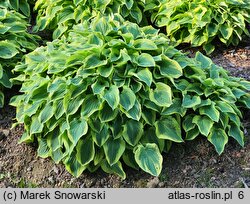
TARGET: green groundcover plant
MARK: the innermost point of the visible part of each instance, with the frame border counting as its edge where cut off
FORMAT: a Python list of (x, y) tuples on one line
[(14, 41), (60, 15), (199, 22), (113, 93)]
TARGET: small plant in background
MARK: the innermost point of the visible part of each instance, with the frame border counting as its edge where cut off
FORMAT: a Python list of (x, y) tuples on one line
[(14, 42), (60, 15), (200, 22), (114, 92)]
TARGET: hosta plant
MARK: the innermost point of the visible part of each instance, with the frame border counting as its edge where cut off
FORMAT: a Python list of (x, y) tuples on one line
[(60, 15), (114, 93), (14, 42), (200, 22)]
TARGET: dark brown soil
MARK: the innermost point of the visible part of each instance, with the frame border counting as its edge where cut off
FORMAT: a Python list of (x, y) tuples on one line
[(193, 164)]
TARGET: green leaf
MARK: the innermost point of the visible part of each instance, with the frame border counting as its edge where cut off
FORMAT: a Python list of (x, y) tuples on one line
[(190, 101), (224, 107), (218, 138), (85, 151), (43, 148), (74, 105), (55, 139), (106, 70), (4, 29), (129, 159), (7, 50), (187, 123), (93, 61), (90, 105), (107, 114), (113, 169), (246, 100), (101, 137), (78, 128), (59, 109), (212, 29), (135, 112), (234, 118), (238, 92), (73, 165), (26, 138), (204, 124), (224, 119), (145, 60), (149, 158), (46, 113), (145, 76), (145, 44), (114, 149), (5, 80), (25, 8), (99, 154), (149, 136), (40, 93), (136, 13), (168, 129), (99, 86), (36, 126), (112, 96), (57, 155), (226, 31), (132, 132), (127, 98), (192, 134), (169, 68), (210, 111), (14, 4), (161, 95), (236, 133), (209, 48), (149, 116), (175, 108), (205, 61)]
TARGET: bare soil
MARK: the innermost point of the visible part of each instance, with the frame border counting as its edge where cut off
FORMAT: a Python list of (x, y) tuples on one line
[(193, 164)]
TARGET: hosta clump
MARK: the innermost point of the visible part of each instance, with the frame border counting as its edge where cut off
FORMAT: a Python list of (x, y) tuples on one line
[(200, 22), (60, 15), (14, 41), (113, 92)]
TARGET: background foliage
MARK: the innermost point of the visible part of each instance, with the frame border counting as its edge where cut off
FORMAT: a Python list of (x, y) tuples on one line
[(60, 15), (200, 22), (14, 42)]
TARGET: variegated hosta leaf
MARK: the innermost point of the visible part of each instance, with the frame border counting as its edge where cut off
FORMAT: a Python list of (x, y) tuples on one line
[(168, 129), (161, 95), (113, 169), (204, 124), (85, 151), (114, 149), (218, 138), (113, 91), (149, 159)]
